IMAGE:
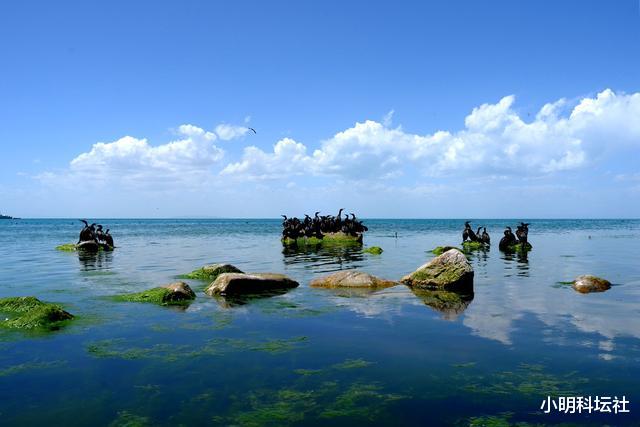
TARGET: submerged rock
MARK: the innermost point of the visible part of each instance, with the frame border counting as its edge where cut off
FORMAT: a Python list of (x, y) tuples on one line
[(450, 304), (177, 293), (351, 279), (211, 271), (450, 271), (517, 247), (31, 313), (338, 238), (473, 246), (241, 283), (588, 283), (374, 250)]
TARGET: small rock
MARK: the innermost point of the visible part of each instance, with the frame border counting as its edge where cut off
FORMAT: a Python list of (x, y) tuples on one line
[(180, 291), (450, 271), (374, 250), (241, 283), (588, 283), (351, 279)]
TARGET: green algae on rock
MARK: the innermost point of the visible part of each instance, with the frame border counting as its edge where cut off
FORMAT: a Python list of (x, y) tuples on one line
[(67, 247), (450, 271), (439, 250), (178, 293), (339, 238), (211, 272), (473, 246), (373, 250), (518, 247), (351, 279), (31, 313)]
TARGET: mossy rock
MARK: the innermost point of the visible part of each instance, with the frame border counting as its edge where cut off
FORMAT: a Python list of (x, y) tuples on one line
[(178, 293), (351, 279), (374, 250), (439, 250), (329, 238), (211, 272), (473, 246), (517, 247), (450, 271), (587, 283), (67, 247), (31, 313)]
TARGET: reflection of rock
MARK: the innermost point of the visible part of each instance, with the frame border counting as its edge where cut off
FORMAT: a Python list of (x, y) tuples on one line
[(236, 300), (450, 304), (587, 283), (351, 279), (240, 283), (450, 271)]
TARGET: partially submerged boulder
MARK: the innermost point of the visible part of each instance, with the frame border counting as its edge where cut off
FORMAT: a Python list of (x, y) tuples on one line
[(351, 279), (254, 283), (177, 293), (338, 238), (450, 271), (473, 246), (588, 283), (211, 271), (86, 246), (31, 313)]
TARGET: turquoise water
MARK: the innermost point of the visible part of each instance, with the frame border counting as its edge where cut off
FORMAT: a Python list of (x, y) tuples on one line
[(316, 356)]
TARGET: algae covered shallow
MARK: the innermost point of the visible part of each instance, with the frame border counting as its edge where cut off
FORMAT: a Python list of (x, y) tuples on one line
[(327, 239), (395, 356), (31, 313)]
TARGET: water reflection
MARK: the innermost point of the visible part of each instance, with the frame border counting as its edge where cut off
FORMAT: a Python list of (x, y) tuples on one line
[(520, 260), (231, 301), (324, 258), (450, 304), (90, 261)]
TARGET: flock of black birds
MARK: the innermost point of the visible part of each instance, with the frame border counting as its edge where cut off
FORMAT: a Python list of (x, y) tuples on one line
[(319, 225), (94, 233), (508, 241)]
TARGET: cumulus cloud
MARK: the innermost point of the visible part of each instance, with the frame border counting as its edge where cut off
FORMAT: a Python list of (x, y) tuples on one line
[(227, 132), (495, 140), (134, 160)]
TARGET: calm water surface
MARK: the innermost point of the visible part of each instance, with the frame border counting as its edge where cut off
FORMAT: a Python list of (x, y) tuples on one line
[(314, 356)]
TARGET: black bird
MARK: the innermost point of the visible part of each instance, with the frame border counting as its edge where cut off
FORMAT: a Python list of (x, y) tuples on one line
[(252, 129), (108, 238), (485, 236)]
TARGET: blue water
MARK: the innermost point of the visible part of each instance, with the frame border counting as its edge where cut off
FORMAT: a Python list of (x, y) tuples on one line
[(316, 356)]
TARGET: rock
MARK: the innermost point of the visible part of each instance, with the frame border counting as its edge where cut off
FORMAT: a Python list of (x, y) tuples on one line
[(450, 271), (241, 283), (473, 246), (587, 283), (517, 247), (351, 279), (211, 271), (374, 250), (177, 293), (31, 313)]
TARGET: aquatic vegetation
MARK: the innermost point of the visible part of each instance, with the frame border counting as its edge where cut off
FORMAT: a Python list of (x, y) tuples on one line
[(500, 420), (159, 295), (327, 239), (31, 313), (360, 400), (464, 365), (517, 247), (210, 272), (127, 419), (374, 250), (352, 364), (307, 372), (30, 366)]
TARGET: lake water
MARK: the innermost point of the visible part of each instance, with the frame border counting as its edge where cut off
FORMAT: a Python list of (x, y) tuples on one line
[(316, 356)]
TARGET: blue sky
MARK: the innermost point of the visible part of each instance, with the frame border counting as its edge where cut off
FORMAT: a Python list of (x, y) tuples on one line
[(389, 109)]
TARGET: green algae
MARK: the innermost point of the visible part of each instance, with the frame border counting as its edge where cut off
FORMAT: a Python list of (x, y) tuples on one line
[(127, 419), (352, 364), (30, 313), (308, 372), (439, 250), (374, 250), (210, 272), (159, 296), (473, 246), (360, 400), (500, 420), (67, 247), (30, 366), (122, 349), (328, 239), (464, 365), (517, 247)]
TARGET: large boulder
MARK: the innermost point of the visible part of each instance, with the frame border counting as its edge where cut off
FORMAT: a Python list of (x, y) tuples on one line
[(254, 283), (588, 283), (450, 271), (351, 279)]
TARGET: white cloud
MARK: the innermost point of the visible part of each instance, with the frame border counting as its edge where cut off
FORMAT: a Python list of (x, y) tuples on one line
[(227, 132), (495, 141)]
